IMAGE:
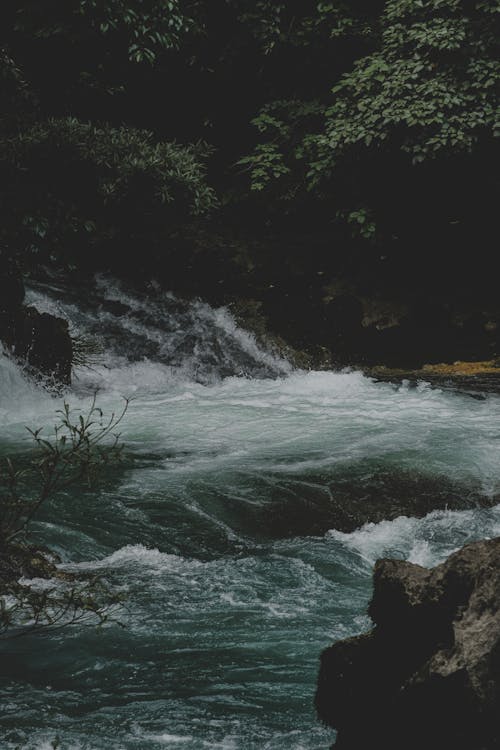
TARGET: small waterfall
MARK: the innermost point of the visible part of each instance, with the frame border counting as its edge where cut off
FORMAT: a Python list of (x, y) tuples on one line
[(189, 341), (21, 399)]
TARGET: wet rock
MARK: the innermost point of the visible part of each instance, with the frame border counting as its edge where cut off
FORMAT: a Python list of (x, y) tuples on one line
[(44, 342), (362, 493), (39, 340), (428, 674)]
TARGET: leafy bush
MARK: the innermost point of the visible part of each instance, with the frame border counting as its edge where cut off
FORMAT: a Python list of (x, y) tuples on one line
[(430, 86), (72, 186), (99, 38), (426, 95)]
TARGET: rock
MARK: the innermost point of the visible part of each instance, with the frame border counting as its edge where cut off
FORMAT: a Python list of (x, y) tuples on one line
[(40, 341), (358, 493), (44, 342), (428, 674)]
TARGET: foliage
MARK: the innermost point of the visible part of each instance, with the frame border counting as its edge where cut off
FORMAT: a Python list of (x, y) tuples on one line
[(87, 350), (347, 118), (36, 606), (427, 93), (284, 123), (15, 96), (98, 38), (71, 184), (78, 450), (299, 23), (431, 86), (147, 26)]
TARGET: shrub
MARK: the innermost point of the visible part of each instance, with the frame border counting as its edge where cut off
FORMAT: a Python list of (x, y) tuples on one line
[(77, 450), (74, 190)]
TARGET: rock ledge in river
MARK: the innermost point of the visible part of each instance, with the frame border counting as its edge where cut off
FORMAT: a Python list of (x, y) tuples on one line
[(428, 674)]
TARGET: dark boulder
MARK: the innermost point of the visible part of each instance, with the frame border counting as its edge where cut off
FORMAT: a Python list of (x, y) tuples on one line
[(41, 342), (428, 674)]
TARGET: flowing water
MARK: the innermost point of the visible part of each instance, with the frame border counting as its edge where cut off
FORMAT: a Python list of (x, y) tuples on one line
[(232, 582)]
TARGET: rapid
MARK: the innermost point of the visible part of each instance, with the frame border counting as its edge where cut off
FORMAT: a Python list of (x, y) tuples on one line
[(217, 526)]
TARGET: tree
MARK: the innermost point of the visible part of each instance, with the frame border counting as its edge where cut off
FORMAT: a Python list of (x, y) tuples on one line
[(374, 126), (408, 119), (430, 88), (77, 189), (98, 41)]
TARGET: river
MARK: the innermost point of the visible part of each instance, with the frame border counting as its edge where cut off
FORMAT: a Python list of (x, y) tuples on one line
[(233, 583)]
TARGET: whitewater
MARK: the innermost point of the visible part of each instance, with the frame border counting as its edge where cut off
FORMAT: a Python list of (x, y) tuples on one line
[(217, 527)]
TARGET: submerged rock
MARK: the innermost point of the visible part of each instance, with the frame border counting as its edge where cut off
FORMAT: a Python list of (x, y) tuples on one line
[(360, 493), (428, 674)]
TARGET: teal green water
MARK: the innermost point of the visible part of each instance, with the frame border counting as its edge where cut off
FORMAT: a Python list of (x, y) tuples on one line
[(232, 584)]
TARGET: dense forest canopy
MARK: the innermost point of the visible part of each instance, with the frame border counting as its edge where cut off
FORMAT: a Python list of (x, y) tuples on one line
[(152, 123)]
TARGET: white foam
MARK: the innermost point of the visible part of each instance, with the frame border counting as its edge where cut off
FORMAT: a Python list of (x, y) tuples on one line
[(135, 555), (427, 541), (168, 739), (20, 398)]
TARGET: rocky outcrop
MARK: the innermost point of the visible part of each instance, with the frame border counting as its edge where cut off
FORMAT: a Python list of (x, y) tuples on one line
[(428, 674), (39, 340)]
